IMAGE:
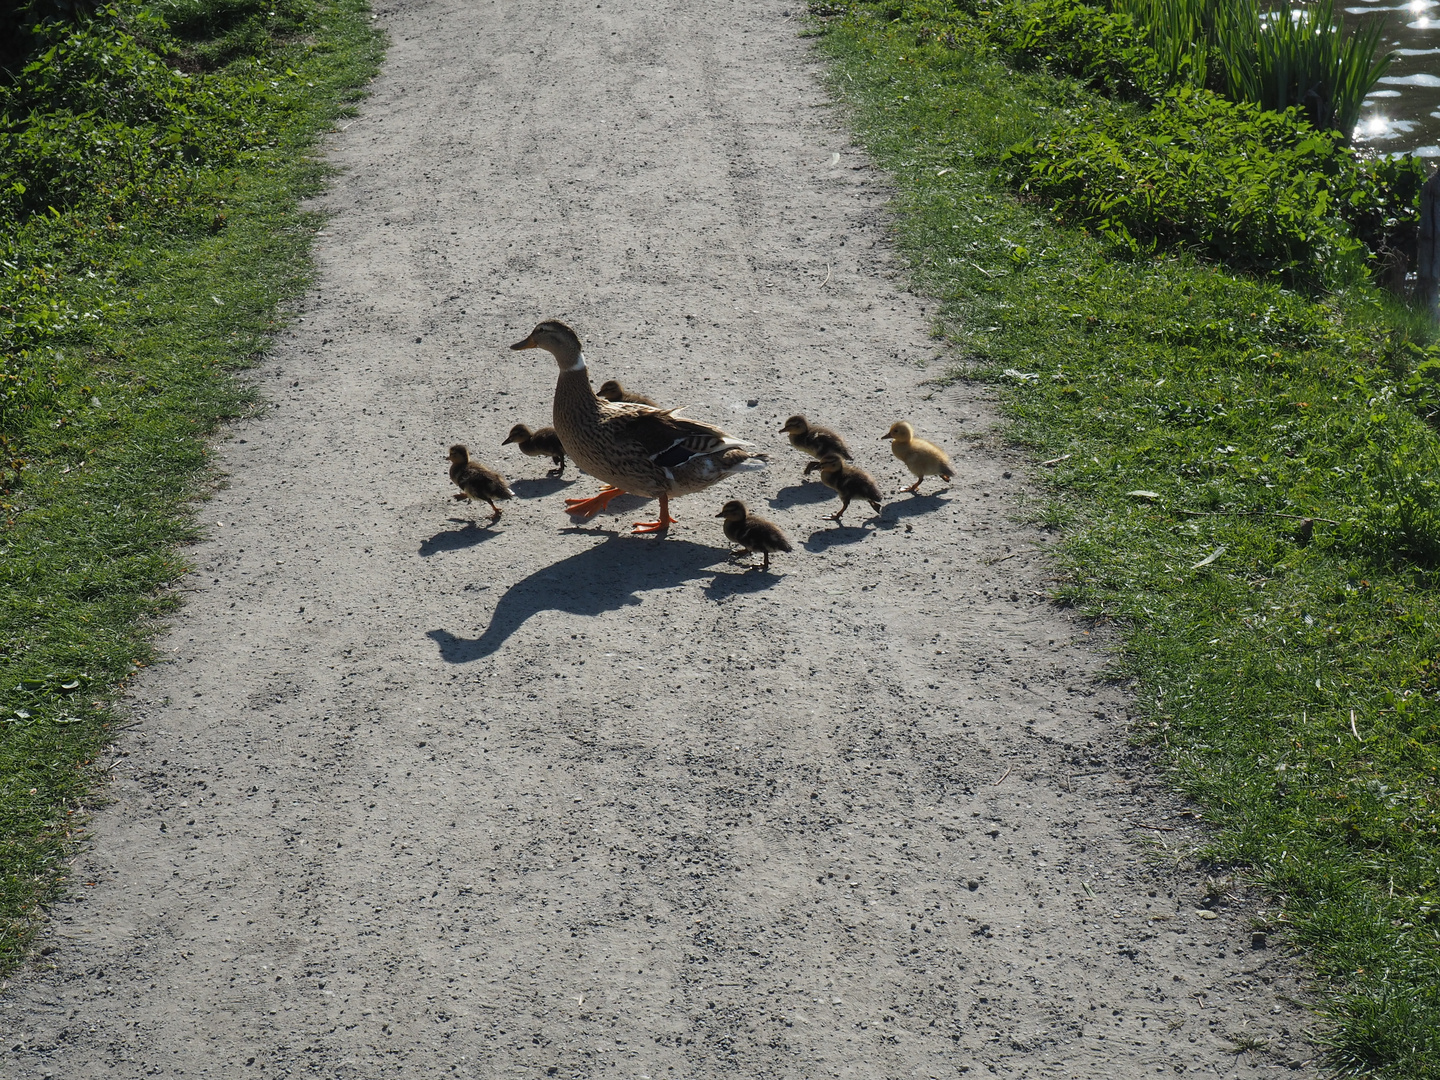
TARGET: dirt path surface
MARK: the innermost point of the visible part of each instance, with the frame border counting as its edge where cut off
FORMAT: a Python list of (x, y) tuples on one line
[(414, 798)]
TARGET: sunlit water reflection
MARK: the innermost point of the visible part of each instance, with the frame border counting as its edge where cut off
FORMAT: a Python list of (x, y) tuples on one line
[(1402, 114)]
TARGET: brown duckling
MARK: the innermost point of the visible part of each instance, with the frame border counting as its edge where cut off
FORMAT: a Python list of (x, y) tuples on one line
[(813, 440), (542, 443), (849, 482), (752, 533), (920, 457), (631, 447), (611, 390), (475, 481)]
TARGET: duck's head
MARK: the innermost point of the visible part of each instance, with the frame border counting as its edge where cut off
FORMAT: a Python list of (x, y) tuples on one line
[(458, 454), (796, 425), (832, 460), (559, 341), (900, 431), (734, 510), (518, 432), (610, 390)]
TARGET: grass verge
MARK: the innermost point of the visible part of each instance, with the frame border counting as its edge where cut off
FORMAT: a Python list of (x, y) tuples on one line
[(126, 308), (1248, 487)]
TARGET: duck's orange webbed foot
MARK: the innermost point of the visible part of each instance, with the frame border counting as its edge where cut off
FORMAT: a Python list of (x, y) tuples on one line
[(657, 526), (593, 505)]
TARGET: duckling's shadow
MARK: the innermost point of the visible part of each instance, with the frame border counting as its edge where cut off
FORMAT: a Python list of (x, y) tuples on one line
[(469, 534), (824, 539), (751, 579), (600, 579), (912, 506), (540, 486), (802, 494)]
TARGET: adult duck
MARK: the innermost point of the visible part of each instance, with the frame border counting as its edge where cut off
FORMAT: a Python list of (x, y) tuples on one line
[(631, 447)]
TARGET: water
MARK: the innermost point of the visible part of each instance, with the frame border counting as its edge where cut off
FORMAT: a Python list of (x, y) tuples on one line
[(1402, 113)]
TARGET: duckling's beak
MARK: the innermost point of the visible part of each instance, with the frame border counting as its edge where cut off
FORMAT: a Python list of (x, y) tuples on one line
[(528, 343), (888, 435), (509, 438)]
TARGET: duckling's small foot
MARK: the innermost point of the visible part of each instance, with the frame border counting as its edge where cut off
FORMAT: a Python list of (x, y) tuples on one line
[(914, 489), (657, 526), (593, 505)]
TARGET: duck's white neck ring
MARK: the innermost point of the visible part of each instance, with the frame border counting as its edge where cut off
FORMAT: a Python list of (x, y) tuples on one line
[(579, 364)]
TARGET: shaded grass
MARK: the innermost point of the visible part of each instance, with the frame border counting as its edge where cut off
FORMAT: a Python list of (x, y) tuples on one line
[(1293, 685), (96, 515)]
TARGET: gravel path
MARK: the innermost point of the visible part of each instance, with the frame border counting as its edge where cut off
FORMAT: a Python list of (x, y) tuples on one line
[(415, 798)]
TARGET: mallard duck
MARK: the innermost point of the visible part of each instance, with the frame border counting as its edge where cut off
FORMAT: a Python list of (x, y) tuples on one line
[(475, 481), (812, 440), (752, 533), (611, 390), (920, 457), (542, 443), (849, 482), (631, 447)]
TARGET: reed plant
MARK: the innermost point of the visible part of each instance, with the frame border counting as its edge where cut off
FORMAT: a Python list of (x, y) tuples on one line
[(1276, 57), (1301, 57), (1180, 32)]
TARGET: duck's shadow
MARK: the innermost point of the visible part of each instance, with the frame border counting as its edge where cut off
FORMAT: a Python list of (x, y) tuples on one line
[(600, 579), (750, 579), (538, 487), (824, 539), (911, 506), (804, 493), (468, 535)]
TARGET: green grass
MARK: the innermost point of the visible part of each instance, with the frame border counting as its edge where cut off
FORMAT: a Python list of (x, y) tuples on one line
[(1196, 417), (149, 300)]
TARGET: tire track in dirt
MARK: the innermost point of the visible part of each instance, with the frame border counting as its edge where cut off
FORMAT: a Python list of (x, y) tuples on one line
[(416, 798)]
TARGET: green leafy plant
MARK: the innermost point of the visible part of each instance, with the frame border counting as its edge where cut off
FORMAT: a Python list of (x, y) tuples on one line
[(1251, 187)]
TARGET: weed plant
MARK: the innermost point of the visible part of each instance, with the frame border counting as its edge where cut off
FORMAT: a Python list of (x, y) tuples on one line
[(1263, 189), (1249, 481), (151, 162)]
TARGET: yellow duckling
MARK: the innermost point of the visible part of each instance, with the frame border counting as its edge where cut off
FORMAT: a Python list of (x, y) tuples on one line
[(631, 447), (849, 482), (814, 440), (475, 481), (752, 533), (611, 390), (542, 443), (920, 457)]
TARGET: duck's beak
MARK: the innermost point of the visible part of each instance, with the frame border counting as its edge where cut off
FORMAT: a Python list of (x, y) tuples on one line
[(528, 343), (510, 438), (888, 435), (720, 514)]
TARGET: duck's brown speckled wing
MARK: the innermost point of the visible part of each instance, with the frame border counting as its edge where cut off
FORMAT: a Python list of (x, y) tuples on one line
[(666, 439)]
